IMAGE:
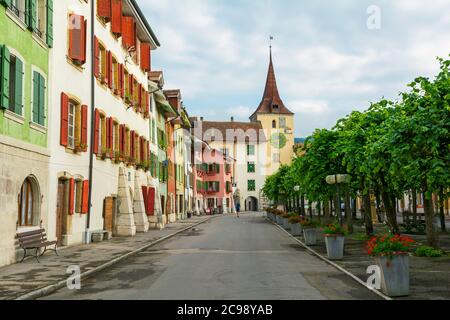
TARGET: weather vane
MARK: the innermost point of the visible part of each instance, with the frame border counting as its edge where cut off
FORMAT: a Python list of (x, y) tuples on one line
[(271, 38)]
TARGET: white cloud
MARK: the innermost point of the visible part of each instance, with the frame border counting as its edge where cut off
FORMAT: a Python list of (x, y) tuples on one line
[(327, 62)]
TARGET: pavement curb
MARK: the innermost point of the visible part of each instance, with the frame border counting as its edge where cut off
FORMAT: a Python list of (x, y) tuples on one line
[(45, 291), (348, 273)]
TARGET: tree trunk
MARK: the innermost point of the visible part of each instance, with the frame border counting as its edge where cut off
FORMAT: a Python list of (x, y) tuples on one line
[(326, 211), (414, 204), (348, 214), (432, 234), (310, 209), (355, 215), (302, 200), (367, 215), (379, 211), (441, 210), (390, 212)]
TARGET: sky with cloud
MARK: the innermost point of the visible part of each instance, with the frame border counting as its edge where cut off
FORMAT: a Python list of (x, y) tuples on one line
[(327, 61)]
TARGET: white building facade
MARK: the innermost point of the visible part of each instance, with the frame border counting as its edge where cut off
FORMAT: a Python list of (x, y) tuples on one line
[(105, 112)]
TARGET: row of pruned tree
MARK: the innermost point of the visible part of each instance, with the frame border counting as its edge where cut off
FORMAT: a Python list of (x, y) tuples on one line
[(390, 149)]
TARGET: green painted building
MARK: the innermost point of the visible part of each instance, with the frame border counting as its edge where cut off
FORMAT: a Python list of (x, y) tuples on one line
[(26, 39)]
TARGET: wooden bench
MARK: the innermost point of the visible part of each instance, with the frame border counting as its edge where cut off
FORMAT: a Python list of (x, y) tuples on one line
[(35, 240)]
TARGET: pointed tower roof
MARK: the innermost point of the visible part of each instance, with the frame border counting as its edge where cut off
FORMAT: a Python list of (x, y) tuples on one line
[(271, 101)]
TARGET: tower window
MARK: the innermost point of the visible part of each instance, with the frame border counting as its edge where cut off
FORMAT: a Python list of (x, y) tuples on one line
[(275, 106)]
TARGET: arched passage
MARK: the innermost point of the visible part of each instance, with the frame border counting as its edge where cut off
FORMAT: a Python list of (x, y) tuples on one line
[(251, 204)]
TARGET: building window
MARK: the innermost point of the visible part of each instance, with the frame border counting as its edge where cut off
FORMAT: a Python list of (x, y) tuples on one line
[(71, 126), (28, 197), (274, 124), (38, 98), (283, 123), (251, 167), (276, 158), (41, 14), (102, 63), (251, 185), (78, 196), (250, 150), (115, 76), (18, 8), (16, 77)]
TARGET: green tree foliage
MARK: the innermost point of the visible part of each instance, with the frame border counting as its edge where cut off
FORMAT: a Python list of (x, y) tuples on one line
[(389, 149)]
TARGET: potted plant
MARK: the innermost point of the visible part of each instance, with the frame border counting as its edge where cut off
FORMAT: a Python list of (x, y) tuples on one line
[(391, 253), (279, 217), (309, 231), (335, 240), (295, 226), (286, 218)]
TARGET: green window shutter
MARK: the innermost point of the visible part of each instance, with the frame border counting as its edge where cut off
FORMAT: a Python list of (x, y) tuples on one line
[(4, 90), (50, 23), (41, 104), (30, 14), (18, 90), (35, 97), (6, 3)]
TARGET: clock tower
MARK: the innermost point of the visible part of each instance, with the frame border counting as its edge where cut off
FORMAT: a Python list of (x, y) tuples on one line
[(277, 122)]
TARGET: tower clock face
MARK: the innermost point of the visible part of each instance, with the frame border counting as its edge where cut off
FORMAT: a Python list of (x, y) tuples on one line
[(278, 140)]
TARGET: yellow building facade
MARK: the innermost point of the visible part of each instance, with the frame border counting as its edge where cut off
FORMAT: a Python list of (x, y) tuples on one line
[(278, 124)]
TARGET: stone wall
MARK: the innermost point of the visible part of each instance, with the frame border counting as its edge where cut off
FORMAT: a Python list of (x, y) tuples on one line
[(17, 162)]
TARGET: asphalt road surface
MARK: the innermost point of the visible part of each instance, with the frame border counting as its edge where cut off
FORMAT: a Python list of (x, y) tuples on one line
[(227, 258)]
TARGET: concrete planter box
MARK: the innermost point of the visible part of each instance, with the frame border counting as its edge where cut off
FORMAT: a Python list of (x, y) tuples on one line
[(296, 229), (310, 235), (394, 275), (286, 224), (280, 220), (335, 246), (97, 237), (270, 216)]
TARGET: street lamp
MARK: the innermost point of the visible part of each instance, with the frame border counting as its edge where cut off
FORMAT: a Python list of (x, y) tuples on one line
[(297, 190), (338, 179)]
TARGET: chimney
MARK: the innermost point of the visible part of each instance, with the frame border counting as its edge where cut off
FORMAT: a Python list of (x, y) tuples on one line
[(232, 119)]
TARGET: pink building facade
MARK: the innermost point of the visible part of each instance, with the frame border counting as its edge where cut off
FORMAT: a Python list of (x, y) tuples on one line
[(213, 188)]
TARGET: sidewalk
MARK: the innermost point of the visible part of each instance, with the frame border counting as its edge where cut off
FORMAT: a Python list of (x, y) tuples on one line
[(429, 277), (20, 279)]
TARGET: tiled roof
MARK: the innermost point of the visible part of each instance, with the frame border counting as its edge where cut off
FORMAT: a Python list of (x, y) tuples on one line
[(271, 95), (231, 131)]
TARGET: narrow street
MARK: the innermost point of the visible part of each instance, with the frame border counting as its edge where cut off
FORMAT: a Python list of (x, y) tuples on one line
[(226, 258)]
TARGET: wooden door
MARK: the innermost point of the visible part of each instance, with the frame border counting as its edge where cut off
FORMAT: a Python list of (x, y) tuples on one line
[(60, 209), (108, 214)]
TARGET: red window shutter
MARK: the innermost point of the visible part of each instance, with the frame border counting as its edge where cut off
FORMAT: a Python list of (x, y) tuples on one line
[(141, 148), (83, 41), (111, 137), (104, 8), (145, 194), (71, 197), (85, 197), (116, 16), (64, 120), (132, 153), (140, 105), (96, 131), (151, 201), (97, 57), (84, 125), (145, 56), (128, 32), (122, 138), (76, 35), (108, 133)]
